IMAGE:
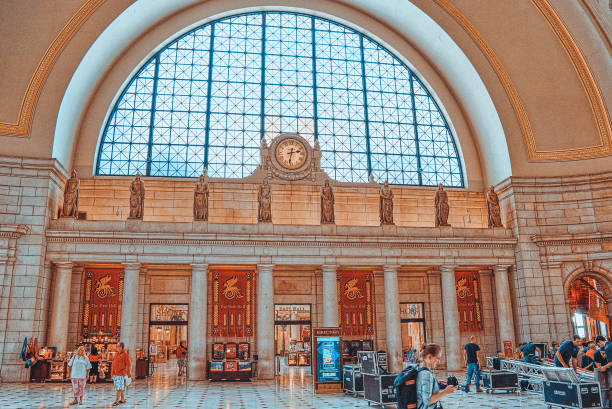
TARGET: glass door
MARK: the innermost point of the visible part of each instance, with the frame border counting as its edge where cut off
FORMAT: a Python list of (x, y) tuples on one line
[(412, 318)]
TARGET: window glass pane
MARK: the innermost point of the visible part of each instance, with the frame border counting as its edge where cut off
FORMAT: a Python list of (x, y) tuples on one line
[(208, 97)]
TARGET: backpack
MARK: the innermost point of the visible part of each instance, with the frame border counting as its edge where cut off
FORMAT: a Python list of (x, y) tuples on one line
[(405, 387), (452, 380)]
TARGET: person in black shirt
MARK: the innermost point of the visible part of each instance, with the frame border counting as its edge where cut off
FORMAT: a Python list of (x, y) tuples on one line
[(471, 359), (567, 352), (529, 351)]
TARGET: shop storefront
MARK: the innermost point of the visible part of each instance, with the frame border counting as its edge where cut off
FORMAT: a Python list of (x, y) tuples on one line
[(292, 333), (168, 327)]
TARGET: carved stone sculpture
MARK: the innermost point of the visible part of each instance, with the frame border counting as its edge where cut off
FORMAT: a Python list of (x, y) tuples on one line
[(137, 195), (441, 203), (200, 200), (264, 197), (71, 197), (386, 204), (327, 204), (493, 208)]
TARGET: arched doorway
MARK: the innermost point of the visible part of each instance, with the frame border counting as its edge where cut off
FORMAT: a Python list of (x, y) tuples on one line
[(588, 307)]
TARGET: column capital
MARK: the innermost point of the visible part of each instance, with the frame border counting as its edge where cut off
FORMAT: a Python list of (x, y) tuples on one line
[(265, 268), (485, 271), (132, 266), (63, 265), (499, 268), (392, 268), (199, 267), (329, 268), (447, 269)]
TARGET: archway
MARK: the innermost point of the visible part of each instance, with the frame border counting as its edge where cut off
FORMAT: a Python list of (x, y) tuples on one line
[(588, 298)]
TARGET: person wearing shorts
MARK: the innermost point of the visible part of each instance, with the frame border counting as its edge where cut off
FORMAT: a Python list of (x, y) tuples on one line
[(181, 353), (121, 370)]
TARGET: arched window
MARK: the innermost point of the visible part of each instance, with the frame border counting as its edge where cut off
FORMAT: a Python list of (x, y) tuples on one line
[(206, 99)]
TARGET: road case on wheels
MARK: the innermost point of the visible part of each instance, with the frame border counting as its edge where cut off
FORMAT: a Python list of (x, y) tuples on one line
[(493, 380), (352, 379), (563, 389), (379, 389)]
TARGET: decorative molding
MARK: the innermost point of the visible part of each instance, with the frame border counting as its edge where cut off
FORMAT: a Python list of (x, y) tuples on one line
[(21, 128), (568, 240), (586, 77), (13, 231)]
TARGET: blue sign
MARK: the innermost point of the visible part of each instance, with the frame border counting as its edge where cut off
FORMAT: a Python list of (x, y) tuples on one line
[(329, 368)]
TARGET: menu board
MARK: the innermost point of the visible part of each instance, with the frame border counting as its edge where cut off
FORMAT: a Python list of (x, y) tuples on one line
[(230, 350), (216, 366), (329, 368), (218, 351)]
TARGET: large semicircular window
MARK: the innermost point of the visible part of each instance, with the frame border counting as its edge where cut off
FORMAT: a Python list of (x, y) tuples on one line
[(208, 98)]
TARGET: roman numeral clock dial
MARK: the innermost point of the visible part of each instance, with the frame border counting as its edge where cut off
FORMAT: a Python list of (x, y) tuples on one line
[(291, 153)]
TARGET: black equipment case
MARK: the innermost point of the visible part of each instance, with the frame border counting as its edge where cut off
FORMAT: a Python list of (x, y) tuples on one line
[(563, 388), (493, 380), (352, 379), (379, 389)]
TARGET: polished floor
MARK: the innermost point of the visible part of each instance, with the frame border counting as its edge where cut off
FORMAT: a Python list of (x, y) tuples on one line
[(166, 390)]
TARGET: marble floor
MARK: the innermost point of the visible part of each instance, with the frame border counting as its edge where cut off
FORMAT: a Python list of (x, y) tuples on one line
[(166, 390)]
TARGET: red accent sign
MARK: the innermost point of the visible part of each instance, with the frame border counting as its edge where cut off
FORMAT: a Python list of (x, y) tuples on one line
[(233, 304), (467, 286), (355, 304), (102, 306)]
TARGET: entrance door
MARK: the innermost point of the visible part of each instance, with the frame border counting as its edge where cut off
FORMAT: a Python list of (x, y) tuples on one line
[(412, 317), (167, 328), (292, 331)]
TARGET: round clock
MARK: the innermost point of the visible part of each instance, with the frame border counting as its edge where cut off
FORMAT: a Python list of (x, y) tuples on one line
[(291, 153)]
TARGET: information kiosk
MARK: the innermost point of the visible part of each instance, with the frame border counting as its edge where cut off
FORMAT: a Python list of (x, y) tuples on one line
[(327, 363)]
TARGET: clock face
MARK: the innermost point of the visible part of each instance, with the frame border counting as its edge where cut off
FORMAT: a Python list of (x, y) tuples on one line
[(291, 153)]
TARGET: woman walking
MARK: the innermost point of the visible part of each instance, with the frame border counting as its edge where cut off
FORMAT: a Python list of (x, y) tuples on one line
[(79, 371), (94, 358), (428, 391)]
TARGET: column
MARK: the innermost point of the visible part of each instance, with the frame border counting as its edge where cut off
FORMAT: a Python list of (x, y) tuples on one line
[(265, 321), (330, 296), (60, 307), (451, 319), (392, 319), (198, 322), (129, 310), (504, 305)]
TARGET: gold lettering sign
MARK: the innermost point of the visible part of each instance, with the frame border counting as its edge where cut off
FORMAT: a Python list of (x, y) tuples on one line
[(351, 291), (103, 288), (230, 290)]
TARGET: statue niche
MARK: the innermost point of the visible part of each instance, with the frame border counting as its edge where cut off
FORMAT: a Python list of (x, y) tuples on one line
[(71, 197), (264, 197), (137, 195), (442, 208), (327, 204), (493, 208), (200, 199), (386, 204)]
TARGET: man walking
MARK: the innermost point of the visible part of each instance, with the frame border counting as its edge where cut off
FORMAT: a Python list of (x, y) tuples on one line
[(471, 355), (568, 352), (121, 370)]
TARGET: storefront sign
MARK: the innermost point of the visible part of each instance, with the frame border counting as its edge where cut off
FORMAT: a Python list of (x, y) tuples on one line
[(355, 304), (467, 285), (232, 304), (102, 307)]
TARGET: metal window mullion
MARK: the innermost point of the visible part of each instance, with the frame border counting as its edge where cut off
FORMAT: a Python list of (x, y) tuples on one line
[(208, 96), (365, 106), (416, 132), (314, 80), (152, 121), (262, 103)]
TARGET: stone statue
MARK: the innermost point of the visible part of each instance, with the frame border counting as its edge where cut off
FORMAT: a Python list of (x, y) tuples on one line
[(137, 195), (71, 197), (200, 200), (386, 204), (327, 204), (493, 208), (441, 203), (264, 197)]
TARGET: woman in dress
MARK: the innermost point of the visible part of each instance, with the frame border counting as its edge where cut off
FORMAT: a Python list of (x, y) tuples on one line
[(79, 371), (428, 391)]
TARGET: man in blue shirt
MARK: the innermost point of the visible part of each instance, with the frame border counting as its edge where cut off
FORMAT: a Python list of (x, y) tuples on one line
[(568, 351), (529, 351)]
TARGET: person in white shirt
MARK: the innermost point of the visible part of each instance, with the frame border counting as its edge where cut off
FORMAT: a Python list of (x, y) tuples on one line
[(79, 372)]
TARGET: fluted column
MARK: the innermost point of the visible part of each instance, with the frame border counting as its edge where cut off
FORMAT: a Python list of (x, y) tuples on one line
[(129, 309), (330, 296), (198, 322), (392, 318), (451, 318), (504, 304), (265, 321), (60, 307)]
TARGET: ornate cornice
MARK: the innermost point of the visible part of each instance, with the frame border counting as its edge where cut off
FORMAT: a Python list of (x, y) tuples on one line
[(24, 119), (586, 77), (13, 231), (571, 239)]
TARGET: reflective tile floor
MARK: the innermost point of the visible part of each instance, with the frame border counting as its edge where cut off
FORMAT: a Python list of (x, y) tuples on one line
[(293, 391)]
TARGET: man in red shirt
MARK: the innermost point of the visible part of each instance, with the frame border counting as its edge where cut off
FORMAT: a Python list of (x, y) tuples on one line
[(121, 370)]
